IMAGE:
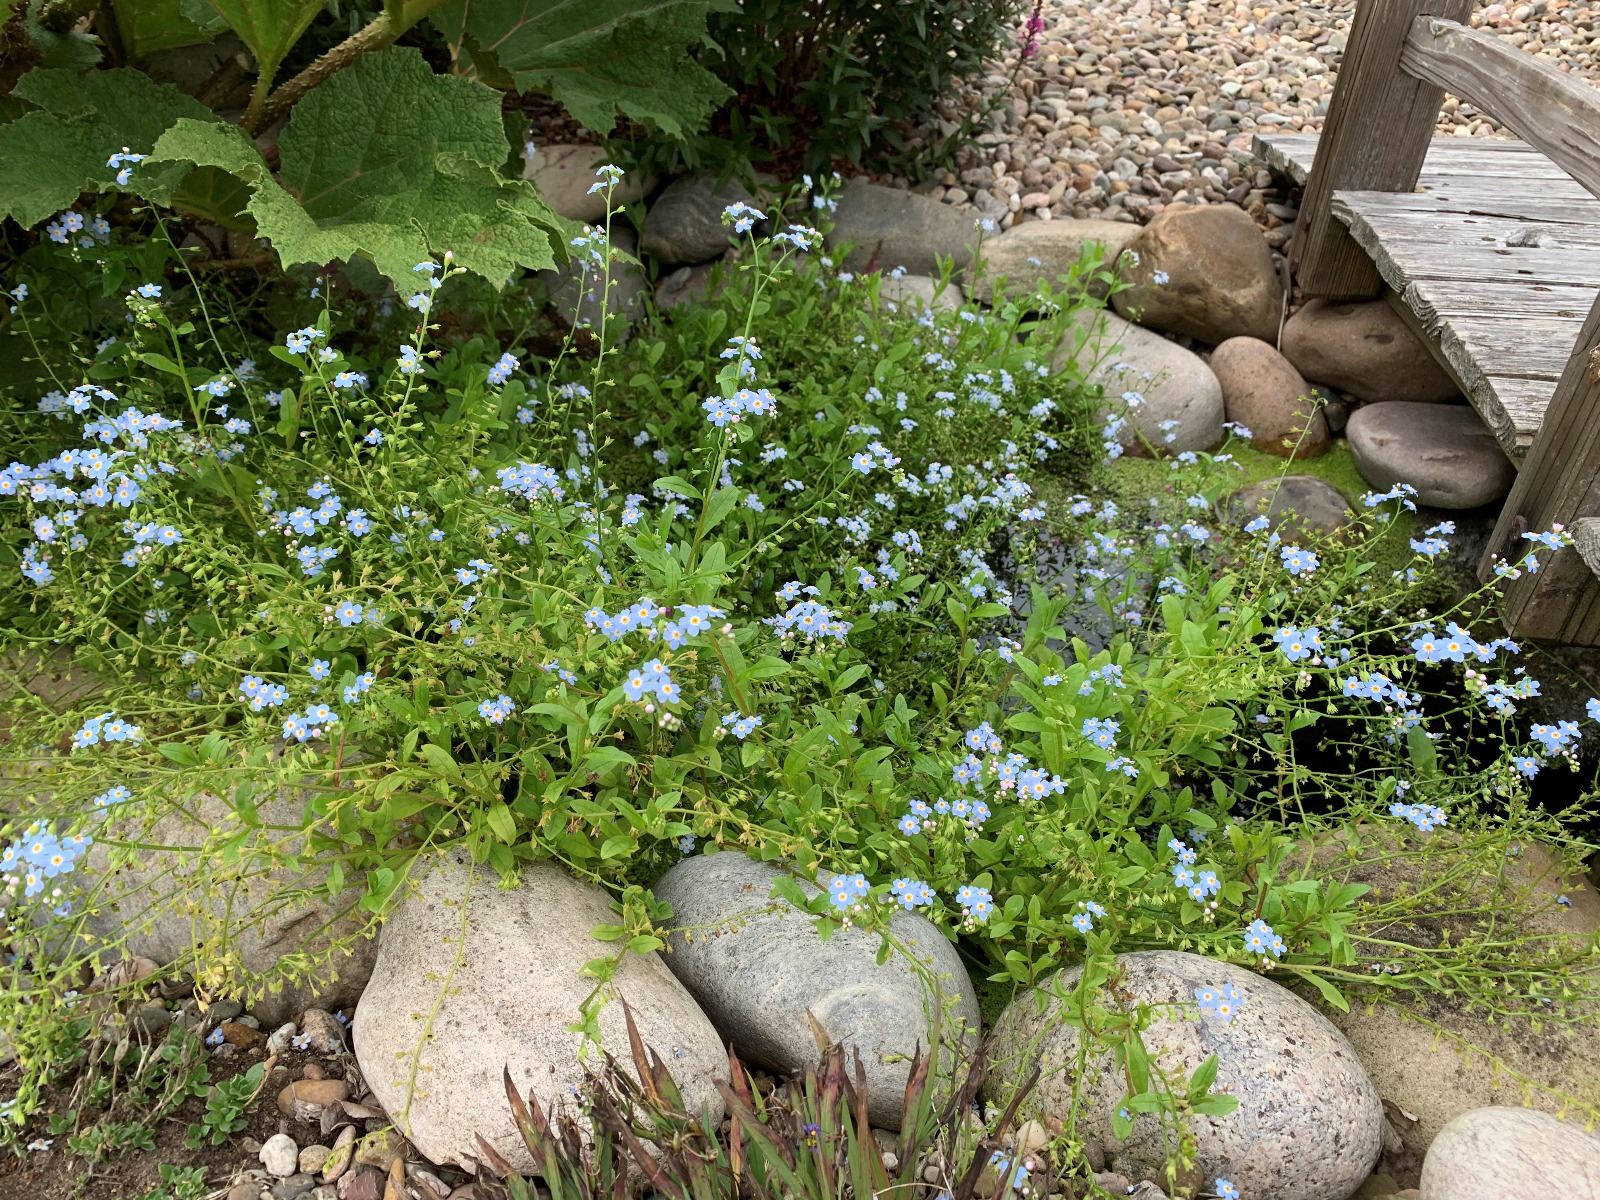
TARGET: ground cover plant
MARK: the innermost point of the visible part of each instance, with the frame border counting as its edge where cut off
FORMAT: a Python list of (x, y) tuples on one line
[(773, 577)]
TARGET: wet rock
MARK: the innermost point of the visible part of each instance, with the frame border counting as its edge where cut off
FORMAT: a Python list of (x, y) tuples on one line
[(763, 967), (1044, 251), (1445, 451), (564, 175), (1170, 383), (890, 228), (1262, 391), (1309, 1125), (279, 1155), (1365, 349), (1492, 1153), (511, 998), (1220, 279), (1299, 503), (684, 225)]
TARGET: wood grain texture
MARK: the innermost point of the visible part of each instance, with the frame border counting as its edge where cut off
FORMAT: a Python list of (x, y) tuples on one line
[(1549, 109), (1559, 484), (1504, 335), (1375, 138)]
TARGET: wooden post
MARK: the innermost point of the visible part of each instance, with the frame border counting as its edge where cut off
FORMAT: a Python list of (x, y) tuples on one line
[(1559, 484), (1376, 135)]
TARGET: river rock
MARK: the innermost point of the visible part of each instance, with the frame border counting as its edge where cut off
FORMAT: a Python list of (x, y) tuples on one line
[(684, 225), (1262, 391), (1493, 1153), (279, 1155), (564, 175), (448, 1008), (920, 291), (1302, 503), (1043, 251), (156, 905), (580, 295), (1365, 349), (327, 1035), (684, 284), (889, 228), (1445, 451), (757, 965), (1220, 279), (1309, 1125), (1173, 384)]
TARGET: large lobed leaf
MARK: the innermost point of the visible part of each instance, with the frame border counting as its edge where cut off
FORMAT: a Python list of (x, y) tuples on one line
[(58, 149), (269, 27), (596, 56), (392, 163)]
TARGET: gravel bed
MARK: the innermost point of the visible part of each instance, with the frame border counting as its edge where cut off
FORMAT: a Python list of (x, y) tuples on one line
[(1128, 106)]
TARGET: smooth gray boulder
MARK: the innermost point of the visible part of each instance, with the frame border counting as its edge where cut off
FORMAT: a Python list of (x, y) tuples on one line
[(684, 225), (1294, 503), (890, 228), (1169, 382), (1042, 251), (1445, 451), (1493, 1153), (757, 965), (1309, 1125), (456, 997), (582, 294), (920, 291), (1263, 392)]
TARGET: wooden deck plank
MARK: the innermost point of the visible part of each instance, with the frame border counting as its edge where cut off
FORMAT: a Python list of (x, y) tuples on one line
[(1500, 277)]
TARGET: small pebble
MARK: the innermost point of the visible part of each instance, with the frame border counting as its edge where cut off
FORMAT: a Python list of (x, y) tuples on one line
[(280, 1155)]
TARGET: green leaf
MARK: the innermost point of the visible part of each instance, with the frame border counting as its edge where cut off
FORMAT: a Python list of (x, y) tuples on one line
[(180, 754), (59, 149), (720, 506), (1420, 747), (439, 759), (391, 163), (217, 198), (1329, 993), (596, 56), (680, 487), (501, 822), (145, 26), (269, 27), (617, 844)]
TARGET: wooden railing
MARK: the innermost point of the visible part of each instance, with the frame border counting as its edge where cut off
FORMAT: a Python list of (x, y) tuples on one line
[(1401, 57)]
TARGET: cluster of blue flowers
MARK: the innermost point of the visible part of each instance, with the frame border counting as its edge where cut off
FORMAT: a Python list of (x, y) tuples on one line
[(1083, 922), (1298, 644), (810, 620), (740, 725), (655, 679), (1220, 1003), (1426, 817), (107, 727), (848, 891), (1259, 938), (922, 816), (497, 710), (302, 727), (977, 905), (40, 855), (911, 893), (262, 694)]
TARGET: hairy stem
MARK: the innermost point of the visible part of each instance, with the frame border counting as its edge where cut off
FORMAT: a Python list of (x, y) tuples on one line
[(379, 33)]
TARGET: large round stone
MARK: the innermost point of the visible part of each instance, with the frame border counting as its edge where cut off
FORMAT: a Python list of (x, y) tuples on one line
[(1168, 382), (1044, 251), (1219, 278), (1262, 391), (1445, 451), (1294, 503), (471, 979), (1493, 1153), (1309, 1125), (165, 901), (757, 967), (564, 175), (1365, 349), (684, 225), (888, 228)]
